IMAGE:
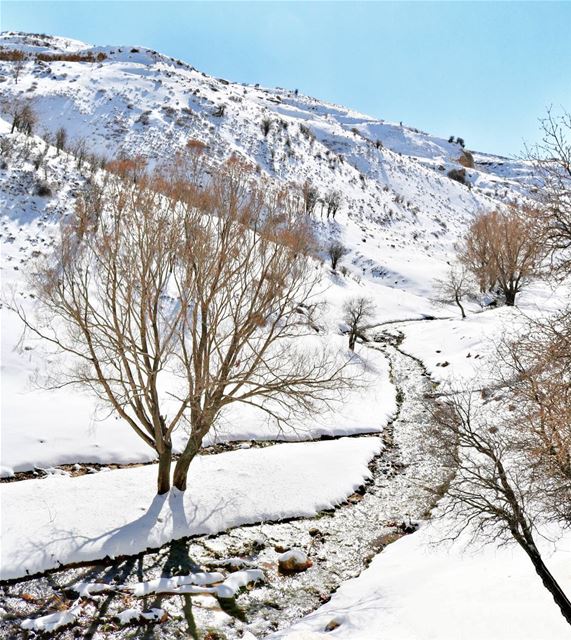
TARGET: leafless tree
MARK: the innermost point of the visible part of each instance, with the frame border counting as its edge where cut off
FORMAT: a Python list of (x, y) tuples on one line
[(551, 159), (357, 314), (501, 249), (80, 152), (455, 287), (493, 493), (60, 139), (336, 252), (310, 197), (170, 309), (18, 63), (266, 126), (128, 168), (24, 118), (333, 201), (535, 370)]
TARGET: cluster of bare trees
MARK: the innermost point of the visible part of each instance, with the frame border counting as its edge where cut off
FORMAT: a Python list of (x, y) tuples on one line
[(177, 295), (330, 202), (503, 249), (509, 445), (24, 118), (336, 252)]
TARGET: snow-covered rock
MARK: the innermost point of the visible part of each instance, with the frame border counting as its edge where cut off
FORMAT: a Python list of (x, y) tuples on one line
[(293, 561)]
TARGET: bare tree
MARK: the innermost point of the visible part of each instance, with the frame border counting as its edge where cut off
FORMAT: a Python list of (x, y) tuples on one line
[(357, 314), (493, 493), (266, 126), (535, 370), (61, 138), (80, 152), (149, 293), (128, 168), (336, 252), (18, 63), (310, 197), (501, 249), (333, 201), (455, 287), (24, 118), (551, 159)]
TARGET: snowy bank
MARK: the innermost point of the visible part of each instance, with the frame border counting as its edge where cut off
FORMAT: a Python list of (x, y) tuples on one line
[(59, 520), (415, 590)]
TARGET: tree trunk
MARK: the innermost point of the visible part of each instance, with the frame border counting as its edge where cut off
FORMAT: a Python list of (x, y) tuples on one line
[(510, 297), (461, 307), (548, 580), (164, 476), (183, 463), (352, 340)]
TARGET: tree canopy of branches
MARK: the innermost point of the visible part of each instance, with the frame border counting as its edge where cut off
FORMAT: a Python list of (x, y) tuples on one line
[(536, 375), (552, 163), (60, 139), (494, 493), (171, 307), (357, 314), (310, 197), (266, 126), (18, 63), (128, 168), (333, 202), (502, 250), (23, 117), (336, 252)]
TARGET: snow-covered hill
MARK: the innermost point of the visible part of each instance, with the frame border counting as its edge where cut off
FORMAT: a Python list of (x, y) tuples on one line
[(135, 102)]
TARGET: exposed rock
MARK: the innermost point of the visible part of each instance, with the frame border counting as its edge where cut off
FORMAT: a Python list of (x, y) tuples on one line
[(293, 561)]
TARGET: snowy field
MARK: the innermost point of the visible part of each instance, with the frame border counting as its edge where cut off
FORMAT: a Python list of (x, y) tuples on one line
[(59, 520)]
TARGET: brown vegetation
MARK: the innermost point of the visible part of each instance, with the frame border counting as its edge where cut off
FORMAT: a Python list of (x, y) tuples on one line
[(14, 55), (551, 159), (502, 250)]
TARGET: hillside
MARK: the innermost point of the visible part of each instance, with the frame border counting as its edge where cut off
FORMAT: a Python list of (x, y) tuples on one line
[(136, 102)]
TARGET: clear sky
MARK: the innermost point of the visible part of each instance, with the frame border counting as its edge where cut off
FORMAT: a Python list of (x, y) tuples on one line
[(485, 71)]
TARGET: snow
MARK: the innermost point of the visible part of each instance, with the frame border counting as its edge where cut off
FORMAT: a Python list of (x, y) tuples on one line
[(238, 580), (194, 584), (88, 589), (59, 520), (128, 616), (166, 585), (400, 218), (455, 350), (42, 428), (419, 590), (297, 556), (53, 621)]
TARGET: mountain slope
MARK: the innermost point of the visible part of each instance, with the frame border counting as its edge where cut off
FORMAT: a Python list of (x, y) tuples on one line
[(136, 102)]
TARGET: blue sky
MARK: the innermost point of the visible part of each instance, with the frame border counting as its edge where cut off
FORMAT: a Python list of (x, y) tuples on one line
[(485, 71)]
